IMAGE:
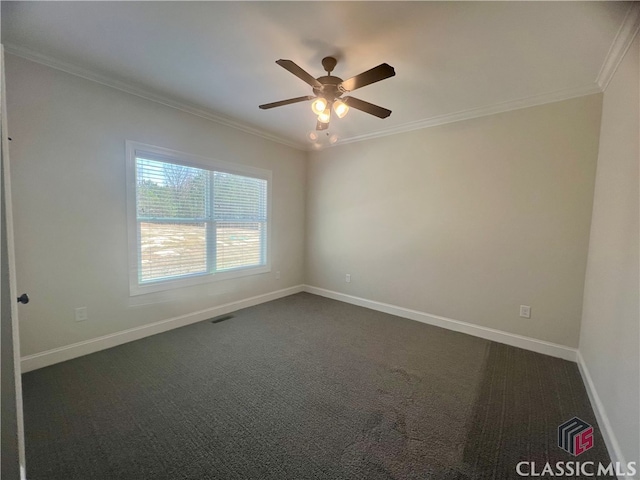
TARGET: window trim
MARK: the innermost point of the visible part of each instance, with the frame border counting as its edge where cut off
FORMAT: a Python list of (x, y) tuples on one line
[(135, 149)]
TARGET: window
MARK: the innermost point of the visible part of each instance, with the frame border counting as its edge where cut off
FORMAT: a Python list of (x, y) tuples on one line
[(193, 220)]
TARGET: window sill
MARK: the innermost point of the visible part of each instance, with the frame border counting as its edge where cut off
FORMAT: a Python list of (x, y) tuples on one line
[(198, 279)]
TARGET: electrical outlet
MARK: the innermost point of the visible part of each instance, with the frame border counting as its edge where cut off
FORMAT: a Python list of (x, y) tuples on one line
[(278, 275), (525, 311), (347, 278), (81, 314)]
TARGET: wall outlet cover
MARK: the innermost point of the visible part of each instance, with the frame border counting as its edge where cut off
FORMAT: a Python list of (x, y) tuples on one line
[(81, 314), (525, 311)]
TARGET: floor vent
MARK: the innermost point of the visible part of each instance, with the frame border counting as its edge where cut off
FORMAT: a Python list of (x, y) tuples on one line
[(221, 318)]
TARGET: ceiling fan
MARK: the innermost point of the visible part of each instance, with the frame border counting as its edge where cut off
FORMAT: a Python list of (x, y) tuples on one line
[(328, 89)]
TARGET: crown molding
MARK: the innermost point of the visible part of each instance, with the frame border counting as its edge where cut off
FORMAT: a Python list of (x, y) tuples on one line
[(146, 94), (620, 45), (479, 112), (405, 127)]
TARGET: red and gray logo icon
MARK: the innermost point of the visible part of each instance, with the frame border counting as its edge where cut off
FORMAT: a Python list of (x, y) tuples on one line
[(575, 436)]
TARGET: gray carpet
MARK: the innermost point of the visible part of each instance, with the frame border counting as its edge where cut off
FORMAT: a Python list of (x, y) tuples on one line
[(301, 388)]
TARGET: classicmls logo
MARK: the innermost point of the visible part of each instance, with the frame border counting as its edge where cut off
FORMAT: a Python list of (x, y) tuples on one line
[(575, 436)]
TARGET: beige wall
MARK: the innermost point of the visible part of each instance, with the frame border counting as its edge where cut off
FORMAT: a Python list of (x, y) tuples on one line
[(68, 174), (467, 220), (610, 334)]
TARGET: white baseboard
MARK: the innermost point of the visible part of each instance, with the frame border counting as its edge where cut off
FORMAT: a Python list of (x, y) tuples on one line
[(61, 354), (610, 440), (57, 355), (539, 346)]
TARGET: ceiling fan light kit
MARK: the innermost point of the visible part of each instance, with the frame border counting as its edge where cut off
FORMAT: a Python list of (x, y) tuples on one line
[(325, 117), (328, 89), (340, 108), (318, 105)]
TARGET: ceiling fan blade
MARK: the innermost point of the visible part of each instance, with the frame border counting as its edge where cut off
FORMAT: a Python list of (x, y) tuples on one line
[(286, 102), (299, 72), (321, 126), (367, 107), (374, 75)]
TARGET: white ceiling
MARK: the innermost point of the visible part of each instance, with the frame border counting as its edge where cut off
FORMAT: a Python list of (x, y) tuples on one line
[(452, 59)]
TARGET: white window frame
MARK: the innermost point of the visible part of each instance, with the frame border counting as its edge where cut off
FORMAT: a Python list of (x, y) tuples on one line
[(136, 149)]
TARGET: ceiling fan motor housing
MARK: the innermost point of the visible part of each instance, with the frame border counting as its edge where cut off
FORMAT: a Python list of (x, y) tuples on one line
[(330, 90)]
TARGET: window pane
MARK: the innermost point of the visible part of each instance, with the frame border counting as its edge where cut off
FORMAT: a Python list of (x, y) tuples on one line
[(239, 244), (238, 198), (167, 190), (194, 221), (172, 249)]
